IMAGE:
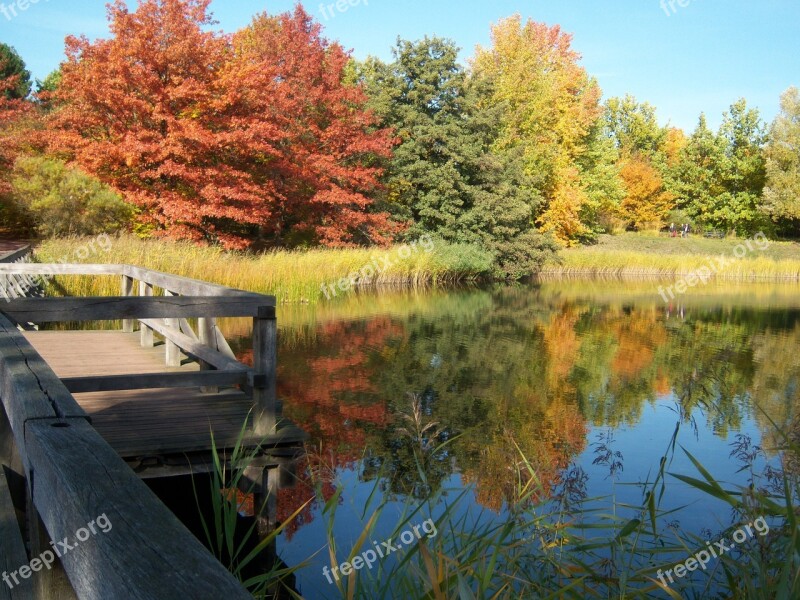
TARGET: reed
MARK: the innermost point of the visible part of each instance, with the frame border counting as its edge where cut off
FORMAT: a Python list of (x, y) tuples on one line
[(291, 276), (561, 545), (650, 256)]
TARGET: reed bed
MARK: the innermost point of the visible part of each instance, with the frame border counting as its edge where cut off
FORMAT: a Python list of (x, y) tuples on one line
[(634, 256), (291, 276), (562, 544)]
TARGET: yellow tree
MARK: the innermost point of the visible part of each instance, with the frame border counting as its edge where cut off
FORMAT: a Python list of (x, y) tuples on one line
[(646, 203), (550, 105)]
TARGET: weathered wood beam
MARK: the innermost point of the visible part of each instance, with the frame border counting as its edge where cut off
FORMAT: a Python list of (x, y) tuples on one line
[(146, 334), (222, 344), (196, 349), (265, 363), (126, 289), (55, 310), (142, 551), (173, 352), (176, 284), (12, 547), (205, 329), (115, 383), (28, 387), (186, 286), (16, 255), (61, 269)]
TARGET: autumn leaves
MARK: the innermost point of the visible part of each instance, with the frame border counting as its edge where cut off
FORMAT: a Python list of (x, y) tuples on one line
[(225, 139)]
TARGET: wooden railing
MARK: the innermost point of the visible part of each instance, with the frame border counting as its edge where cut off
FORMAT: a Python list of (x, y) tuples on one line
[(16, 286), (166, 316), (73, 475)]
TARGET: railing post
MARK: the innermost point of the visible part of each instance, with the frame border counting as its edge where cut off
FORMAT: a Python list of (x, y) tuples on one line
[(208, 337), (265, 362), (146, 334), (127, 290), (173, 351)]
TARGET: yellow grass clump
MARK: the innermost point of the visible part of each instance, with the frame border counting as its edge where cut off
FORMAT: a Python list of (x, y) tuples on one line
[(306, 276)]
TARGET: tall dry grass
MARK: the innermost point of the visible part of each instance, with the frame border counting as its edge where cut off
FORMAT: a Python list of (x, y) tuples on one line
[(291, 276), (650, 256)]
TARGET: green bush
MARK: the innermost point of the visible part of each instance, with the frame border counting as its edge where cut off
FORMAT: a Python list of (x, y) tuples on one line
[(66, 202)]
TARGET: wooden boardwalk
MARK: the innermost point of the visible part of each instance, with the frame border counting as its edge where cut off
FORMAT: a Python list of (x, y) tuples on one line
[(161, 424), (87, 414)]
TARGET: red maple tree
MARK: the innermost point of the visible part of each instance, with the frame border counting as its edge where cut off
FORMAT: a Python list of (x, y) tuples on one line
[(11, 112), (224, 138)]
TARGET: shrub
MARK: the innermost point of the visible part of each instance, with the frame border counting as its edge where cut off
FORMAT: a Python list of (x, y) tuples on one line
[(66, 202)]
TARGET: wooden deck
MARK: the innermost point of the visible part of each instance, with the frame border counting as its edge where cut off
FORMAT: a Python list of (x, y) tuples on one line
[(78, 405), (152, 423)]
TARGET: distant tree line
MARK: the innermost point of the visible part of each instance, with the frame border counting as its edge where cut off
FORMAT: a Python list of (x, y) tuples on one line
[(273, 136)]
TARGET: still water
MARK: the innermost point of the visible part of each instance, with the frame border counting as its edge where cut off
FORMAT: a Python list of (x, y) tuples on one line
[(564, 372)]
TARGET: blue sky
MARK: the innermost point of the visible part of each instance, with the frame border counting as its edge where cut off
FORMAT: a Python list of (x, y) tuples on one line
[(699, 58)]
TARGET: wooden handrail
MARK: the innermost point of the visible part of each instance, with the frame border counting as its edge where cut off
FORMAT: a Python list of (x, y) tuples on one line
[(112, 308), (173, 283), (74, 477), (16, 255)]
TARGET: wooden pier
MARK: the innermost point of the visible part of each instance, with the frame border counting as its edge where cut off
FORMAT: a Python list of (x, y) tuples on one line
[(87, 414)]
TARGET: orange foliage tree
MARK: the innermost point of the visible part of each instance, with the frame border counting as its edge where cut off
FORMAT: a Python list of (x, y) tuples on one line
[(11, 111), (223, 138), (647, 203), (550, 105)]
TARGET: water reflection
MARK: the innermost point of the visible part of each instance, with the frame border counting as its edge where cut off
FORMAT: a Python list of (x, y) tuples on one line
[(531, 369)]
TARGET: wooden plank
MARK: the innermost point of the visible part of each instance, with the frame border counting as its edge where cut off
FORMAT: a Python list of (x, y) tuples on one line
[(126, 289), (55, 269), (146, 552), (265, 365), (101, 353), (173, 352), (186, 328), (222, 343), (110, 383), (176, 284), (28, 387), (200, 351), (16, 255), (207, 337), (146, 334), (55, 310), (12, 547), (190, 287)]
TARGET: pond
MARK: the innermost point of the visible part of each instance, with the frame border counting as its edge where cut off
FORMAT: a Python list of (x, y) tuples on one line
[(597, 378)]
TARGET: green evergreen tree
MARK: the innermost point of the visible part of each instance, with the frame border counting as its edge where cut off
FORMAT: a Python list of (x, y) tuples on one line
[(11, 64), (443, 178)]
